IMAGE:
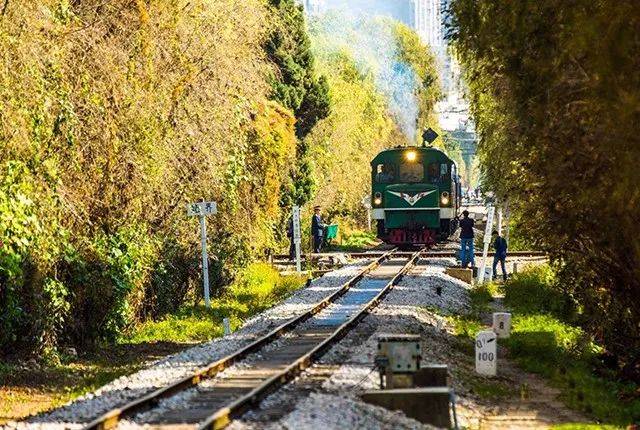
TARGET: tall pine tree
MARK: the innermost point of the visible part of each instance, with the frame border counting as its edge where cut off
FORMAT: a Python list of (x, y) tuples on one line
[(296, 85)]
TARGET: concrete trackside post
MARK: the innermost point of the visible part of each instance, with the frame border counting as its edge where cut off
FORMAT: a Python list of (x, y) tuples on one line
[(502, 324), (226, 326), (297, 237), (201, 210), (487, 240)]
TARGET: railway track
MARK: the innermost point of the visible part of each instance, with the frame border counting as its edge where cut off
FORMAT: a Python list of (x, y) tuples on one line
[(211, 397), (426, 253), (452, 254)]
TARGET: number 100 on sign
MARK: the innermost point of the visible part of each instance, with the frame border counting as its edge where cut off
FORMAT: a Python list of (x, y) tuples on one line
[(486, 356)]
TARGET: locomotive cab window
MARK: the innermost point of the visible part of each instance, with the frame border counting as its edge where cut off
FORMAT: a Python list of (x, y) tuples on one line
[(434, 172), (411, 172), (385, 173), (438, 172)]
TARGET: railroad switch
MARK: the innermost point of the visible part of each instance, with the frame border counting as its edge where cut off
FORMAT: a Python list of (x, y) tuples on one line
[(398, 359), (421, 392)]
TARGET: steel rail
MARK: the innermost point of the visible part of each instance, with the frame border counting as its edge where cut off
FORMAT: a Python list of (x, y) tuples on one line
[(452, 253), (110, 419), (223, 416), (427, 253)]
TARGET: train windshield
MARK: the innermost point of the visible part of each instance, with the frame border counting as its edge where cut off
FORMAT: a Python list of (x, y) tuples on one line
[(411, 172), (385, 173), (438, 172)]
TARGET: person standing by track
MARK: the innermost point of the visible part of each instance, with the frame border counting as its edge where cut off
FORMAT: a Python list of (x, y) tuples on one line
[(466, 240), (317, 229), (500, 245)]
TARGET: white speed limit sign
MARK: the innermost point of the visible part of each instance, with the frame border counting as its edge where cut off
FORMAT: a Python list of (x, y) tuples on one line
[(486, 356)]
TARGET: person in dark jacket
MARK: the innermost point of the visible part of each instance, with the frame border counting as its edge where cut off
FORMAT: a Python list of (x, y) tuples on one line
[(317, 229), (466, 240), (500, 245)]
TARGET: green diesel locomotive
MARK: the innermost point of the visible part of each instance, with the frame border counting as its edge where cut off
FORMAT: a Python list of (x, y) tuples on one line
[(415, 195)]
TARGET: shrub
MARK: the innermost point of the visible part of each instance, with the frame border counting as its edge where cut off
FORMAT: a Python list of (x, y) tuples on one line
[(34, 302), (480, 298), (107, 278), (535, 290), (544, 336), (173, 276), (259, 284)]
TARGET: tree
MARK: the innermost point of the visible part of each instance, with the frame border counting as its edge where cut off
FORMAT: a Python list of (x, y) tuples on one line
[(555, 92), (296, 86)]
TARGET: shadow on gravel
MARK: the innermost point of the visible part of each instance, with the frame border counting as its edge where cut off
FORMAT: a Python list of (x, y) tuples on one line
[(29, 388), (89, 373)]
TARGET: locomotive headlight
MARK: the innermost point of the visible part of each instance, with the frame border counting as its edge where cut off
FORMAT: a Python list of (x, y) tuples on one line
[(444, 198), (410, 155), (377, 199)]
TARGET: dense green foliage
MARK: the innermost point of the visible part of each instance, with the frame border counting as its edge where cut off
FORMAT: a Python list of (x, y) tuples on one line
[(555, 92), (296, 86), (537, 290), (115, 116), (545, 341)]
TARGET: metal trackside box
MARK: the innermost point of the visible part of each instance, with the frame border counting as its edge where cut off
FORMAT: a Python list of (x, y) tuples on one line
[(402, 352)]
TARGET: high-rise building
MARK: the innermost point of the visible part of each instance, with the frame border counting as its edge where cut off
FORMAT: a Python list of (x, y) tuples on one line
[(424, 16), (428, 22)]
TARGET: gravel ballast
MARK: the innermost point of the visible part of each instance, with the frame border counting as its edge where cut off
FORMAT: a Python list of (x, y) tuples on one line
[(174, 367), (419, 305), (334, 403)]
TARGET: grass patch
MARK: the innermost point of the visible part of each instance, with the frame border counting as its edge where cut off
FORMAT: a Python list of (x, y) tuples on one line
[(563, 354), (257, 288), (26, 390), (355, 241), (489, 389), (480, 298), (535, 291), (465, 328), (544, 341)]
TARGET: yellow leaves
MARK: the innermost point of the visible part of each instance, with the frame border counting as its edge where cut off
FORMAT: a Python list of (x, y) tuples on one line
[(275, 127), (142, 12)]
